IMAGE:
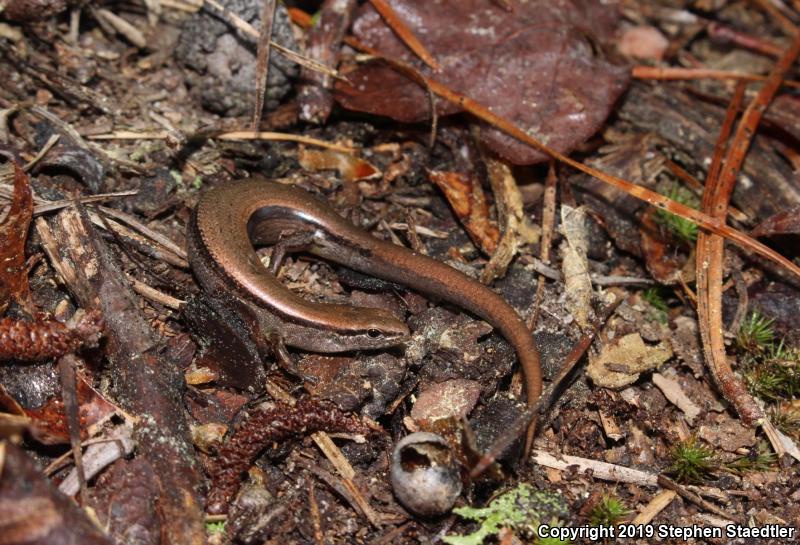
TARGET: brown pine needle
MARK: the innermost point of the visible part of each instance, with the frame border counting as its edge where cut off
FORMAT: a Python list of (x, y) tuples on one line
[(722, 176), (262, 59), (714, 225), (679, 73), (403, 32), (703, 220)]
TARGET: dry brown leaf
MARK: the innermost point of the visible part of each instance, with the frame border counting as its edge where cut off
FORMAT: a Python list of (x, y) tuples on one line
[(465, 195), (620, 363)]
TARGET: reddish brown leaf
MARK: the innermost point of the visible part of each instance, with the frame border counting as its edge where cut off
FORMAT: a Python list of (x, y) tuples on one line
[(783, 223), (13, 232), (535, 65), (349, 167), (49, 424), (469, 203)]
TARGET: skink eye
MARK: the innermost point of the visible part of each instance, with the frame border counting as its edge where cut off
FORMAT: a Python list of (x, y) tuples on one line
[(373, 333)]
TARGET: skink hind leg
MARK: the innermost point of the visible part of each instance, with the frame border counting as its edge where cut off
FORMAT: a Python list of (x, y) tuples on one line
[(292, 243)]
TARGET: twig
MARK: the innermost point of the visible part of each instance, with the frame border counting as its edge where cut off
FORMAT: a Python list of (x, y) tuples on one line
[(656, 505), (600, 470), (262, 59), (548, 221), (316, 520), (153, 235), (266, 135), (346, 489), (782, 20), (669, 484), (680, 73), (69, 394), (232, 135), (153, 294)]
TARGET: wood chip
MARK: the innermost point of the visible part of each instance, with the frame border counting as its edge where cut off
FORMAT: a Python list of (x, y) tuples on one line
[(656, 505), (674, 393)]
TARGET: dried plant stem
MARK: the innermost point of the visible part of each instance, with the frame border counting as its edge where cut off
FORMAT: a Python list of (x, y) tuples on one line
[(262, 59), (680, 73), (710, 246)]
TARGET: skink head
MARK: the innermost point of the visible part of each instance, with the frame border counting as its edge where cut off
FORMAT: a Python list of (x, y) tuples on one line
[(369, 328)]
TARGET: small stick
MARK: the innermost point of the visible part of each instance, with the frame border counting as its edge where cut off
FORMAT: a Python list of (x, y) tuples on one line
[(69, 395), (262, 59), (656, 505), (316, 520), (548, 221), (669, 484), (680, 73)]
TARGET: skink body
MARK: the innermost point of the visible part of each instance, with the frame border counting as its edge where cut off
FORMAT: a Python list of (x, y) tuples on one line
[(230, 220)]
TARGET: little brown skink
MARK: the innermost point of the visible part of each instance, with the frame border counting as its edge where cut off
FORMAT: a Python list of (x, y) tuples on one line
[(230, 220)]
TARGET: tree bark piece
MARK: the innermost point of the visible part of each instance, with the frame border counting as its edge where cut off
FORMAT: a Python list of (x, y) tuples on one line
[(145, 384)]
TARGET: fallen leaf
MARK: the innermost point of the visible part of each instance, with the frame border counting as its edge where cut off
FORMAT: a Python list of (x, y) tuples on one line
[(465, 195), (514, 223), (621, 362), (538, 65), (727, 433), (48, 422), (451, 399), (643, 42), (349, 167)]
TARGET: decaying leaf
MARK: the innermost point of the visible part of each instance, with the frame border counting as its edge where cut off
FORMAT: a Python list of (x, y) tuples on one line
[(450, 399), (49, 424), (620, 363), (575, 265), (537, 65), (516, 226), (663, 263), (465, 195), (349, 167), (13, 232)]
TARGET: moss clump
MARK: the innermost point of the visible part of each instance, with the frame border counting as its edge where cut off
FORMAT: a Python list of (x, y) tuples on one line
[(683, 229), (521, 509), (610, 510), (691, 462)]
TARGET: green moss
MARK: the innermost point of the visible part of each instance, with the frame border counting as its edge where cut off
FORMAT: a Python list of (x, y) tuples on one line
[(521, 509), (610, 510), (691, 462), (786, 419), (755, 333), (683, 229), (760, 458), (656, 298), (215, 527)]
